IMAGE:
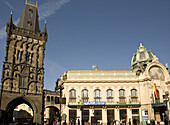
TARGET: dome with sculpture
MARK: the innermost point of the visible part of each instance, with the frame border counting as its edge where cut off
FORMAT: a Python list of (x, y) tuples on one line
[(141, 58)]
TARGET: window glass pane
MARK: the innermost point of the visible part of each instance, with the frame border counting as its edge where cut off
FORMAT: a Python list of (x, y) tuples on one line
[(109, 93), (98, 114), (122, 93), (134, 58), (110, 114), (150, 55), (72, 116), (142, 55), (85, 115)]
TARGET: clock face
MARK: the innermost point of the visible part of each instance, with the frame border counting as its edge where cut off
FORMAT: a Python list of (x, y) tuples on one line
[(156, 74)]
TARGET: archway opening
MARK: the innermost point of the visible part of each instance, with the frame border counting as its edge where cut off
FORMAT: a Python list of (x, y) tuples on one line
[(20, 111), (23, 114), (51, 115)]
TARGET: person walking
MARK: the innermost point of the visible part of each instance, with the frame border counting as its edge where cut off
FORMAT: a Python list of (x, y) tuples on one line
[(78, 122), (134, 121), (129, 121)]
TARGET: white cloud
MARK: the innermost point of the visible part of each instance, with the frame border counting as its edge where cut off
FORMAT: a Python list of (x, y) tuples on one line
[(8, 4), (50, 7)]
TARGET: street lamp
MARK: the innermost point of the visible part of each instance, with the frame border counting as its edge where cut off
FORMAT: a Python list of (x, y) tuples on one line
[(167, 100), (82, 121), (60, 88)]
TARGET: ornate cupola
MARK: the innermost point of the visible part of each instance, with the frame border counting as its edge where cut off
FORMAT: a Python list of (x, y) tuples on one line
[(140, 59)]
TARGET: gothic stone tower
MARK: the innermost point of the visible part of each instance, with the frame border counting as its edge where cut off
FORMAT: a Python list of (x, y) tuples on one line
[(23, 68)]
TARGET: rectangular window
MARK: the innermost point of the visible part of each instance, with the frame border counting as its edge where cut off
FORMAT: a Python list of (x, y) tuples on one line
[(110, 114), (22, 82), (85, 114), (123, 114), (56, 100), (135, 111), (98, 114), (72, 116)]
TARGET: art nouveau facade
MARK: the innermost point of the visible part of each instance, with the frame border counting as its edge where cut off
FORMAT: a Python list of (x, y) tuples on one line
[(101, 95)]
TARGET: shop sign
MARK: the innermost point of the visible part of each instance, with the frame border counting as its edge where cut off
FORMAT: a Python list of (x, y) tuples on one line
[(145, 114), (93, 103)]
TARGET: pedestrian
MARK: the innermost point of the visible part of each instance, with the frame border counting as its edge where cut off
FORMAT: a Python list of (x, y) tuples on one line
[(78, 122), (108, 122), (148, 122), (114, 122), (129, 121), (64, 122), (166, 121), (134, 121), (117, 122), (153, 122)]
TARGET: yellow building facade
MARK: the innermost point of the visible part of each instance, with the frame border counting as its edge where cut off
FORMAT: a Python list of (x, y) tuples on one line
[(102, 96)]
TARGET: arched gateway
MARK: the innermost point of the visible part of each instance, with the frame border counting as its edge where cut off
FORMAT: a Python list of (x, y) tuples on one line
[(23, 68)]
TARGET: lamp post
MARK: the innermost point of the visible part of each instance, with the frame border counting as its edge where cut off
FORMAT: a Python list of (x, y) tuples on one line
[(60, 88), (167, 103), (82, 116)]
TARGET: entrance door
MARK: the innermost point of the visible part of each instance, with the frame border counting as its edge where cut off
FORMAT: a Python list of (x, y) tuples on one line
[(97, 117), (159, 113)]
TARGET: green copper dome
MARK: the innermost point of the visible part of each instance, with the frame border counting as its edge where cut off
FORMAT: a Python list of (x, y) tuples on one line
[(141, 57)]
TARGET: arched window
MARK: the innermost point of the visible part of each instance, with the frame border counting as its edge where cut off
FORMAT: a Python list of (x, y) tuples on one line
[(142, 55), (109, 93), (52, 98), (134, 95), (97, 95), (85, 95), (72, 95), (48, 98), (122, 97)]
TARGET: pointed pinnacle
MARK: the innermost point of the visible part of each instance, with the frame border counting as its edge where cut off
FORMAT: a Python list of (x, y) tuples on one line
[(26, 2), (11, 11), (45, 29), (36, 3), (10, 18)]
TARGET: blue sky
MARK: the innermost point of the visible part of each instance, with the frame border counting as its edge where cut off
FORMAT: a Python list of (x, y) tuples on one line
[(105, 33)]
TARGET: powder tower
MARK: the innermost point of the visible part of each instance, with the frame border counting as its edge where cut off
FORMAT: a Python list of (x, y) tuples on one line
[(23, 68)]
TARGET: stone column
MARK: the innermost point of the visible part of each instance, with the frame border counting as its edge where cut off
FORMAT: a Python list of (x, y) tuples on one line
[(91, 111), (79, 112), (67, 119), (104, 115), (117, 115), (140, 114), (129, 113)]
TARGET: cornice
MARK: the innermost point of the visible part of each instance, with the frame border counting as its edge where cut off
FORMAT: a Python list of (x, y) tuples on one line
[(106, 81)]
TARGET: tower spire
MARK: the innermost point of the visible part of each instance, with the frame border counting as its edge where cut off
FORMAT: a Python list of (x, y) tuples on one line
[(45, 29), (10, 18), (26, 2), (36, 3)]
